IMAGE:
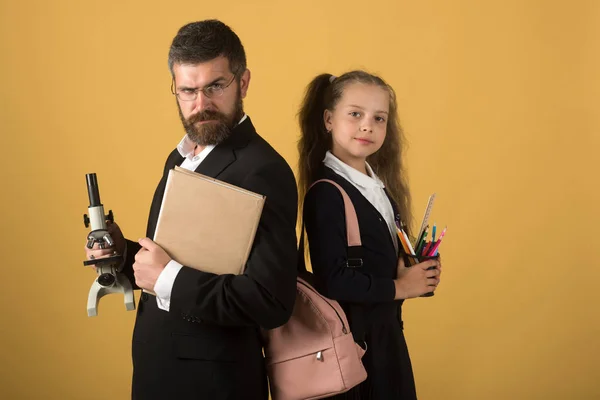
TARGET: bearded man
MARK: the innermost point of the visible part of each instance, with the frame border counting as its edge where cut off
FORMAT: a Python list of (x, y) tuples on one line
[(199, 336)]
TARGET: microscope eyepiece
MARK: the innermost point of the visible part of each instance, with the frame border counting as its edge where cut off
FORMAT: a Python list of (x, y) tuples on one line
[(93, 193)]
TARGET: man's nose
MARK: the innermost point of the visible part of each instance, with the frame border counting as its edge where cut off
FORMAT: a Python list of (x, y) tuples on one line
[(202, 102)]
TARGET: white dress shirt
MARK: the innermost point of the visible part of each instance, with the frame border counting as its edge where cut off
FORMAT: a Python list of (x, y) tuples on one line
[(166, 279), (369, 186)]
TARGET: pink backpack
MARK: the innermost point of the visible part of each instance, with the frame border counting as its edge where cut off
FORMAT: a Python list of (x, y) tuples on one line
[(314, 354)]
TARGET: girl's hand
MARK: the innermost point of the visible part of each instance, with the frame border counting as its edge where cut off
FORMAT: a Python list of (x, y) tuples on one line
[(416, 280)]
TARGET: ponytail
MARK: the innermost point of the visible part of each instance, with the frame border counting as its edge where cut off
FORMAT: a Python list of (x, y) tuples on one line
[(314, 140)]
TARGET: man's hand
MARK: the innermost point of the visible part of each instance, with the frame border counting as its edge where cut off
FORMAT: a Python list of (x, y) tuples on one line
[(149, 263)]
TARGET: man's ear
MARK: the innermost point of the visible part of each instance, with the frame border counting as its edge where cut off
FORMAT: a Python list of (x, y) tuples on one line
[(245, 83)]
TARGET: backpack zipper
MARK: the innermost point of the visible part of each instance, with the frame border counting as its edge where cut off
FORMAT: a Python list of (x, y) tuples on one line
[(336, 312)]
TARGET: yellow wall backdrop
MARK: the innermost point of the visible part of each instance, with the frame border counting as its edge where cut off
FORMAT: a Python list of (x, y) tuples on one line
[(499, 100)]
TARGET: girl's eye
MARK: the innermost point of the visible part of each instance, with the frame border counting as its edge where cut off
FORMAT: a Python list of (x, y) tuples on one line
[(380, 119), (355, 114)]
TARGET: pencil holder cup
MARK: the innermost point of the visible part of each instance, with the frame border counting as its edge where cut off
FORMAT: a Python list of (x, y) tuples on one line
[(410, 260)]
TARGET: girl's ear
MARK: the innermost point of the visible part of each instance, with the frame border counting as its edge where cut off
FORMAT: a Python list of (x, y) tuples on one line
[(327, 117)]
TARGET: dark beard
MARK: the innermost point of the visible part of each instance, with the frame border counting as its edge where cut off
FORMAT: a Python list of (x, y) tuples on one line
[(216, 131)]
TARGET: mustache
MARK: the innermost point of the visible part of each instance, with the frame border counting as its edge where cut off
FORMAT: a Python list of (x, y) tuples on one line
[(206, 115)]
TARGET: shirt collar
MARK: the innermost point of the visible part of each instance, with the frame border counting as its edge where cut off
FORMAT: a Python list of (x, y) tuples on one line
[(186, 147), (351, 174)]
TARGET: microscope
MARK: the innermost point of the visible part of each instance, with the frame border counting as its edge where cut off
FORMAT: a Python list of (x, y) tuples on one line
[(110, 279)]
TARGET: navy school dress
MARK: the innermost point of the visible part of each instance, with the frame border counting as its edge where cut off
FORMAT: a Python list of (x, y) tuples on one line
[(365, 293)]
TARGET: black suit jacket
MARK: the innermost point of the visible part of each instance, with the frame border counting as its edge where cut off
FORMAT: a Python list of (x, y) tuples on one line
[(208, 345), (371, 284)]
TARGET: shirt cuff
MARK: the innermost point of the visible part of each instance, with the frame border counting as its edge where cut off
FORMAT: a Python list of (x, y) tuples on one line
[(164, 284)]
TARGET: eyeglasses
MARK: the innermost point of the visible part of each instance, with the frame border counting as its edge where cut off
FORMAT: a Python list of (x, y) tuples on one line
[(210, 91)]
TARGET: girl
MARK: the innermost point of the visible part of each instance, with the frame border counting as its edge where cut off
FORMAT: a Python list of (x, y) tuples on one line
[(351, 135)]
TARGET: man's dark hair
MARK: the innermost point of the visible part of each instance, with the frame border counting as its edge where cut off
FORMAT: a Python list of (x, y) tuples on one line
[(202, 41)]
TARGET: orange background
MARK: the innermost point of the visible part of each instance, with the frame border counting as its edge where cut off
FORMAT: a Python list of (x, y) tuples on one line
[(499, 101)]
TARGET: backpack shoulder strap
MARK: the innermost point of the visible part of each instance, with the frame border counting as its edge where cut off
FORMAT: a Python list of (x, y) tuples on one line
[(354, 255), (354, 251), (352, 229)]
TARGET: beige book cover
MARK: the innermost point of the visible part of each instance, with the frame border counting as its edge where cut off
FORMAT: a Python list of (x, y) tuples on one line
[(207, 224)]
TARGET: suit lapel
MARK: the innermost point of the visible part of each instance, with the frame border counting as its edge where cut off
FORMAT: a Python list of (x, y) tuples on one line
[(397, 217), (178, 161), (216, 162), (223, 155), (394, 205)]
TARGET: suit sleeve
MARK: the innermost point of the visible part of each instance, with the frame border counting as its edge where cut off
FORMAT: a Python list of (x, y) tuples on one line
[(264, 294), (130, 252), (325, 222), (132, 247)]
